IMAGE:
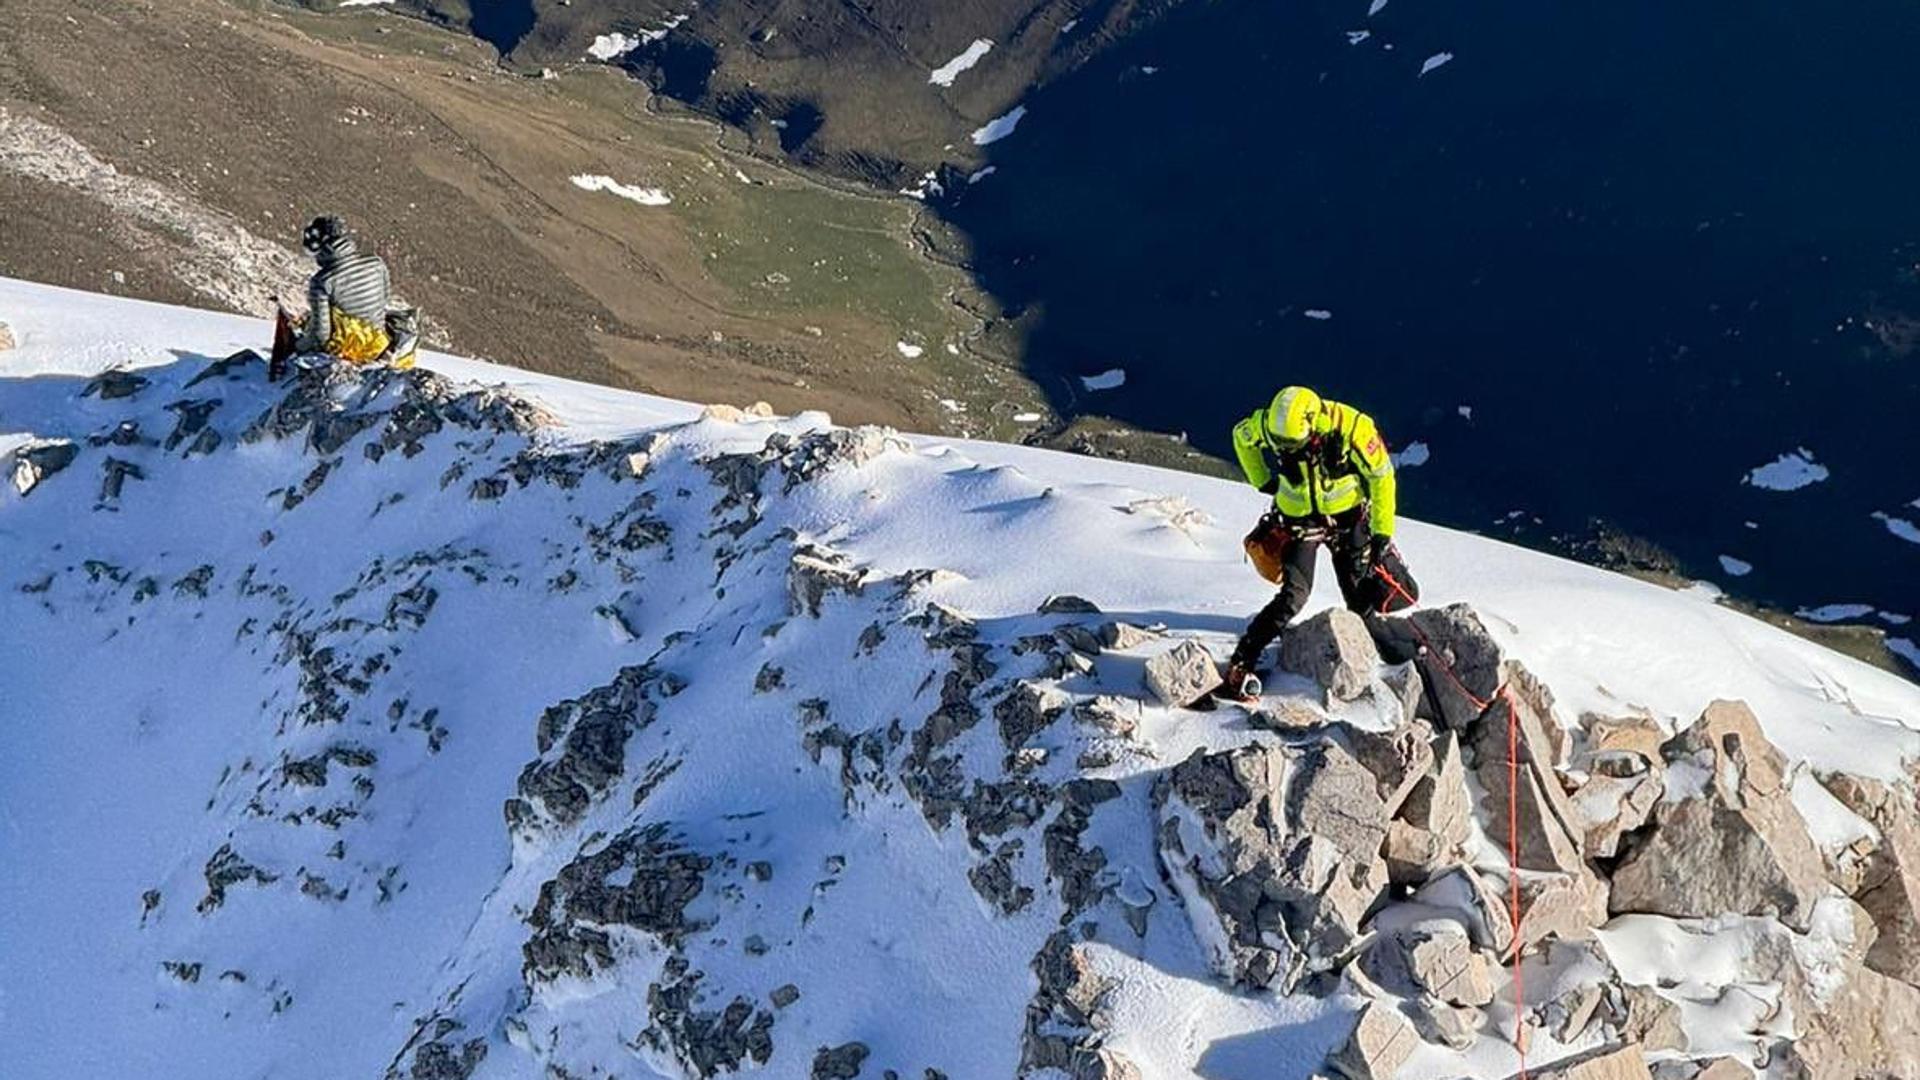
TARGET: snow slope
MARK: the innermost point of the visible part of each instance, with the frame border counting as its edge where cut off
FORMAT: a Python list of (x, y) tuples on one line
[(262, 710)]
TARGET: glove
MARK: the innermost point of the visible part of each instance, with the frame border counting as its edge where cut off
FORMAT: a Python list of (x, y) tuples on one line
[(1377, 548)]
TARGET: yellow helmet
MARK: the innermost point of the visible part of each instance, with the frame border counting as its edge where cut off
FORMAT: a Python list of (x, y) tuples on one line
[(1290, 419)]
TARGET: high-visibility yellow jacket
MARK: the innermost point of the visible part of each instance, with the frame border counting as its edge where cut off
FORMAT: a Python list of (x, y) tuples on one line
[(1344, 464)]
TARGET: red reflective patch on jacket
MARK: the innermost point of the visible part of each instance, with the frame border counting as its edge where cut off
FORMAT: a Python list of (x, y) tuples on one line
[(1373, 447)]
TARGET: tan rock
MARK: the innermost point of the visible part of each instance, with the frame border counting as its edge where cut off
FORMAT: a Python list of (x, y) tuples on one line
[(1481, 907), (1550, 826), (1398, 759), (1649, 1020), (1381, 1041), (1614, 806), (1889, 886), (1869, 1028), (1181, 675), (1442, 1023), (1439, 802), (1564, 907), (6, 337), (1616, 1063), (1737, 846), (1434, 959), (1626, 777), (1413, 854), (1725, 1068), (1334, 649)]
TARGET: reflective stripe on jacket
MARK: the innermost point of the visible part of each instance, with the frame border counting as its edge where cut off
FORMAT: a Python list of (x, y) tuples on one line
[(1344, 464)]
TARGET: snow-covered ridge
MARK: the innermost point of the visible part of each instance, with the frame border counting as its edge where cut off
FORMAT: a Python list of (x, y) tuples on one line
[(475, 723)]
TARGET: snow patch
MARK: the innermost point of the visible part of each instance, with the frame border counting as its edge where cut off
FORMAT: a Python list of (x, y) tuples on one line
[(1110, 379), (909, 350), (1788, 472), (1900, 527), (1026, 418), (1435, 62), (1319, 314), (643, 196), (999, 127), (1735, 567), (614, 45), (949, 71), (1832, 613), (1414, 454), (1375, 8)]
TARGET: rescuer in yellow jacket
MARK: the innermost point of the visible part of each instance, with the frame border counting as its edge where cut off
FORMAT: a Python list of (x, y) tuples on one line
[(1332, 484)]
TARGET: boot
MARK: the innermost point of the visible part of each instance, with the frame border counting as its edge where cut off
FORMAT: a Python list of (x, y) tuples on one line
[(1240, 684)]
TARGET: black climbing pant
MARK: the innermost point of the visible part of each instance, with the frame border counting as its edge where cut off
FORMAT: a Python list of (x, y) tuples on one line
[(1346, 541)]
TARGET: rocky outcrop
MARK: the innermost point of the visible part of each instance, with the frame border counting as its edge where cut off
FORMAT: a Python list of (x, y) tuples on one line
[(1728, 837), (114, 384), (705, 1042), (34, 463), (1181, 675), (1334, 649), (583, 746), (1276, 851), (814, 573), (1434, 958), (1625, 779), (644, 878), (1459, 662), (1512, 746), (1889, 888)]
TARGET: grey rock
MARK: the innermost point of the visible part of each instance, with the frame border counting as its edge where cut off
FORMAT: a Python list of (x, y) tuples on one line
[(235, 366), (33, 464), (841, 1062), (1182, 674), (1026, 711), (487, 488), (814, 573), (1435, 958), (1398, 759), (1456, 1027), (1440, 802), (1461, 669), (661, 878), (1283, 845), (115, 474), (190, 420), (109, 385), (441, 1061), (583, 746), (1068, 604), (1334, 649), (226, 869), (705, 1042), (1108, 714), (784, 995), (1481, 907), (1124, 637)]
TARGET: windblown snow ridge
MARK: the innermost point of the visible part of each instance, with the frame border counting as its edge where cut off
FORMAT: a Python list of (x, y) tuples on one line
[(491, 751)]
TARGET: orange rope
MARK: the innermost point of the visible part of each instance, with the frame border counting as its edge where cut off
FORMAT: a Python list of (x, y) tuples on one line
[(1503, 693)]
